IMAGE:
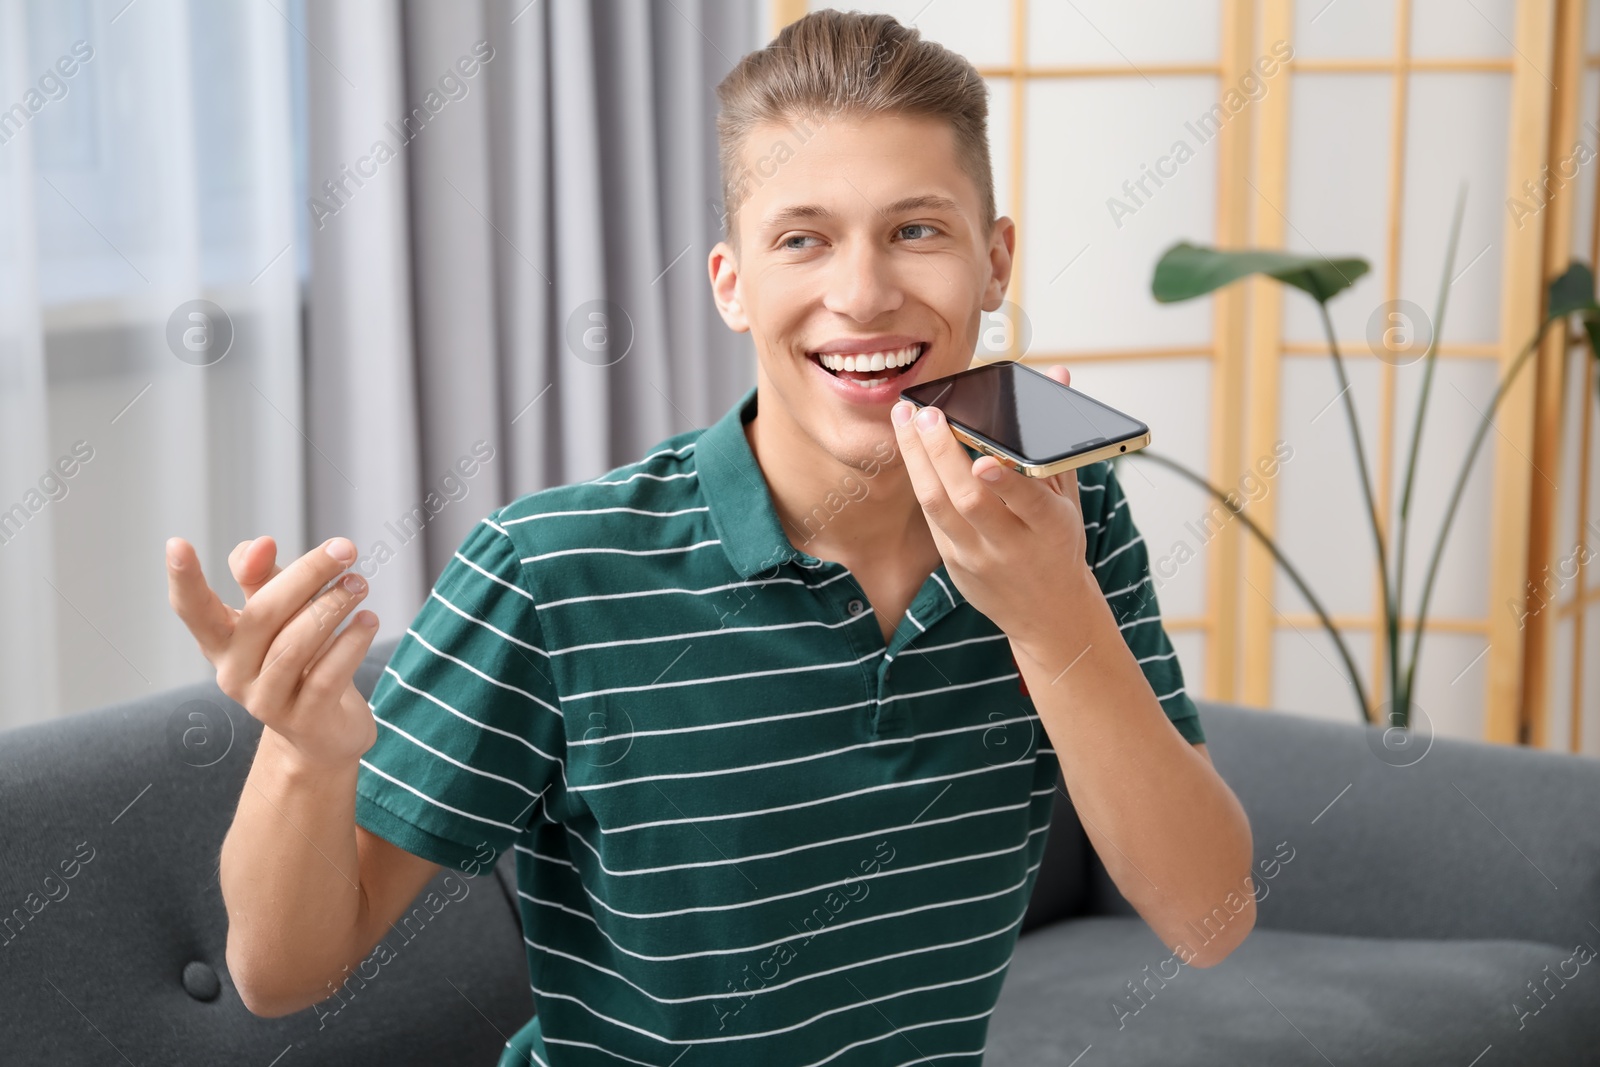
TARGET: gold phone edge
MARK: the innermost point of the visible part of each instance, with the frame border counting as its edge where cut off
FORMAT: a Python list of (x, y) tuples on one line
[(1083, 459)]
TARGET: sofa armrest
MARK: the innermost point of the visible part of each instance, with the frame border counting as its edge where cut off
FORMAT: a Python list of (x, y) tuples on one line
[(111, 821), (1453, 839)]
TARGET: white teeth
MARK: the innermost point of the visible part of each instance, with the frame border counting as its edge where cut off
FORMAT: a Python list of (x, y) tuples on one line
[(870, 361)]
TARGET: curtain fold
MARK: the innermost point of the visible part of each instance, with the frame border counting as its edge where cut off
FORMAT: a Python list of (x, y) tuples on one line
[(560, 198), (364, 471)]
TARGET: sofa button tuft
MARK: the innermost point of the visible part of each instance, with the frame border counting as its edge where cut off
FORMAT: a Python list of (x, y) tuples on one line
[(200, 981)]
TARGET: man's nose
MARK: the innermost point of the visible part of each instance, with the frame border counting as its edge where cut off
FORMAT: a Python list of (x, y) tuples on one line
[(862, 283)]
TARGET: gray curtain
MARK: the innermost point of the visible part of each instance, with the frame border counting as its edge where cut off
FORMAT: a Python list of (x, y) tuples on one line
[(524, 273)]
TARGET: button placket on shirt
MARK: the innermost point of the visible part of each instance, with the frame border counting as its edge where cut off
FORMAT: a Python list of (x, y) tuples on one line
[(839, 594), (927, 608)]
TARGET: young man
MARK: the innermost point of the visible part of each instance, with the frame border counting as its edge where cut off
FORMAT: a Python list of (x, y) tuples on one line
[(771, 717)]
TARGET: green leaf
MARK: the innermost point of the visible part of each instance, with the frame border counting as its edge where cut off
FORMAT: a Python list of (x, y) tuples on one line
[(1186, 271), (1591, 329), (1573, 291)]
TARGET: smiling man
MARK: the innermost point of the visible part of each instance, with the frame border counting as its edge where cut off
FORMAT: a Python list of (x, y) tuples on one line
[(768, 804)]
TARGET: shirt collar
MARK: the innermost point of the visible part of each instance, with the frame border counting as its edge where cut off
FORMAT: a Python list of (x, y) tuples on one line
[(741, 505), (736, 492)]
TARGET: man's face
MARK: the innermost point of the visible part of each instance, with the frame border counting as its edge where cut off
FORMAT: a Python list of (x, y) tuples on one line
[(858, 237)]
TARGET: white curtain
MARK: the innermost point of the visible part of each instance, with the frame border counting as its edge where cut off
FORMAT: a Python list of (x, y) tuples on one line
[(146, 163), (208, 172), (552, 161)]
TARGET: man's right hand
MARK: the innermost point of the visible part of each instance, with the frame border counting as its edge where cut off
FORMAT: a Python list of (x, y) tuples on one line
[(308, 891), (279, 656)]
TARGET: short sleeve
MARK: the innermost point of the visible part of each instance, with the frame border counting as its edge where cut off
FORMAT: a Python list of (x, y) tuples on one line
[(1121, 562), (470, 732)]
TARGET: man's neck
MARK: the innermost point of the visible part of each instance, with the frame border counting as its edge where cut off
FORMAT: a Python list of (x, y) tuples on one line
[(823, 510)]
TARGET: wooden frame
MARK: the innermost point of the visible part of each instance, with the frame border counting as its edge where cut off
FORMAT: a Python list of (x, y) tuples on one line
[(1548, 373), (1522, 294), (786, 11), (1247, 351), (1266, 357), (1552, 427)]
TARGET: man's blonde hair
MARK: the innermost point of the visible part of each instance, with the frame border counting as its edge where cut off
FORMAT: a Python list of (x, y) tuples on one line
[(834, 63)]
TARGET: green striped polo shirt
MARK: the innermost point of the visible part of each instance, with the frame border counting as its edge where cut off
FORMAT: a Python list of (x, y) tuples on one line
[(746, 830)]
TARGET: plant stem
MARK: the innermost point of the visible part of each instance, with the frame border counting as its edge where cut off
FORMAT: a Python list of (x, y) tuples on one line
[(1403, 698), (1455, 496), (1391, 627), (1288, 568)]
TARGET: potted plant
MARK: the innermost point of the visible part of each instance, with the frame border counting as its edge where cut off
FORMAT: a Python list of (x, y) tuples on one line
[(1187, 271)]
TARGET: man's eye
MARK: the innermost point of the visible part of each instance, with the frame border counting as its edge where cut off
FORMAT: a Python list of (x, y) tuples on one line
[(785, 243), (918, 226)]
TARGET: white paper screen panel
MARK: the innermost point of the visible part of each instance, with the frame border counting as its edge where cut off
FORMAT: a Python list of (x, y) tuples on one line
[(1564, 536), (1001, 95), (1115, 33), (1559, 732), (1344, 29), (1461, 391), (1582, 188), (1173, 397), (1456, 132), (1190, 645), (1593, 517), (1308, 676), (1559, 720), (1087, 280), (1321, 514), (1462, 29), (1451, 683), (1338, 193)]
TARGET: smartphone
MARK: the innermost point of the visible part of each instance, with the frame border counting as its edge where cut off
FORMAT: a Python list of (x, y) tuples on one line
[(1027, 420)]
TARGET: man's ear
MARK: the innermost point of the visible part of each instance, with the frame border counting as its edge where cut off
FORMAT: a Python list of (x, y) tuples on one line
[(724, 271), (1002, 250)]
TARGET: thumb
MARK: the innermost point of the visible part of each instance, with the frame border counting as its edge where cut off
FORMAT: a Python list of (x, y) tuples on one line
[(1029, 499)]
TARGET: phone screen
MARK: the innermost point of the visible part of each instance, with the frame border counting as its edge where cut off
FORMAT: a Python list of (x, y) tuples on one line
[(1025, 412)]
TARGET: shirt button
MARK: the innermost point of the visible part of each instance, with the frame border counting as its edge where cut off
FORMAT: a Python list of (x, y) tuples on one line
[(855, 607)]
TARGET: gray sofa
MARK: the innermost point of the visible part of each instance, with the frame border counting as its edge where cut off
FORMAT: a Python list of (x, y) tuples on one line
[(1439, 910)]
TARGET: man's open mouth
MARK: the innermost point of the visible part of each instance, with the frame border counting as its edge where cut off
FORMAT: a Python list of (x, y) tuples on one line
[(869, 369)]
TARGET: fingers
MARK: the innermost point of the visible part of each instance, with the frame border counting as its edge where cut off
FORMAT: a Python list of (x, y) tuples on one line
[(254, 564), (268, 612), (196, 603), (974, 500), (971, 505), (299, 648), (1028, 500), (331, 675)]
